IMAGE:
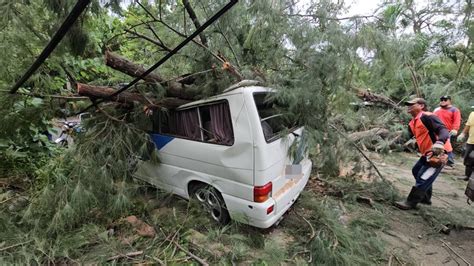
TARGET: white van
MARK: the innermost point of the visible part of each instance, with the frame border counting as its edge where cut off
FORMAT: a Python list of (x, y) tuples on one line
[(228, 152)]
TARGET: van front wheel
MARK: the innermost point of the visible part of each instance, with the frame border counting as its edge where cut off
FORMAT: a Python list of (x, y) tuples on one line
[(211, 200)]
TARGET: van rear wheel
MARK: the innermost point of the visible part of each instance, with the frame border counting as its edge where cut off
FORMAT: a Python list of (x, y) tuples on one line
[(211, 200)]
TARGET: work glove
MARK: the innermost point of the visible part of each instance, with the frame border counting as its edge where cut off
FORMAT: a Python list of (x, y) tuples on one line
[(437, 148), (461, 137), (453, 132)]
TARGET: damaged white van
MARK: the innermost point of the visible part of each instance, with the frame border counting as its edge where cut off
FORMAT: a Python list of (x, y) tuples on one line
[(229, 153)]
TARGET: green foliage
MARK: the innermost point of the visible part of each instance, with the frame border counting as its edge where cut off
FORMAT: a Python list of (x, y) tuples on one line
[(338, 244), (314, 61)]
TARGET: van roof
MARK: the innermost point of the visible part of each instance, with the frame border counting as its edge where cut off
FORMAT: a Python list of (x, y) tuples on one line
[(235, 88)]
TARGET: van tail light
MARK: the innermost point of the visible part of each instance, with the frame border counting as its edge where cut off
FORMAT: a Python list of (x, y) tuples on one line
[(262, 193)]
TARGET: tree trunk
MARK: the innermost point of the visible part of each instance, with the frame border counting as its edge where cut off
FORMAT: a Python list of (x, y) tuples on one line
[(376, 98), (173, 88), (382, 132), (101, 92)]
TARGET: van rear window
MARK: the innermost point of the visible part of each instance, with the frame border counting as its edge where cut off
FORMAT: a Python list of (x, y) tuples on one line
[(271, 117)]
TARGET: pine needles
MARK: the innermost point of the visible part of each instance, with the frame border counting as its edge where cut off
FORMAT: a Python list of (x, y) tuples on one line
[(339, 240)]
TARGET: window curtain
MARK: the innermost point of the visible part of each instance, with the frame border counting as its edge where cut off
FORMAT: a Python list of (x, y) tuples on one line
[(185, 123), (221, 123)]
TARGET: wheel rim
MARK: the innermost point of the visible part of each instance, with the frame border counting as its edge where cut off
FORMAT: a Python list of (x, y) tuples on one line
[(214, 206), (211, 203), (200, 195)]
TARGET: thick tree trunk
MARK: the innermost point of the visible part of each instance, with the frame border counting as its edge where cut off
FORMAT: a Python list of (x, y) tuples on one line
[(376, 98), (173, 88), (382, 132), (101, 92)]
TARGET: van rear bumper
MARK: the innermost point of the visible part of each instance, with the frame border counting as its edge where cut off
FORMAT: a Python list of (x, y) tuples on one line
[(255, 214)]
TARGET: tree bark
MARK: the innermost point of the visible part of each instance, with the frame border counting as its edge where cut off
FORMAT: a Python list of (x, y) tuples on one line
[(173, 88), (102, 92), (376, 98), (382, 132)]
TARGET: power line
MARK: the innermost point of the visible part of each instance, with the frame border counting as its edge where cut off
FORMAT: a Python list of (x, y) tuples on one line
[(168, 55), (71, 18)]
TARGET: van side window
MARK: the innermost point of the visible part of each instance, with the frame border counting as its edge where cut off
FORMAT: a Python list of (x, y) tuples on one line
[(216, 123), (208, 123), (183, 123)]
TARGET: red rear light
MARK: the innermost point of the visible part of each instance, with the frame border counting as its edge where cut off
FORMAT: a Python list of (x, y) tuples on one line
[(262, 193)]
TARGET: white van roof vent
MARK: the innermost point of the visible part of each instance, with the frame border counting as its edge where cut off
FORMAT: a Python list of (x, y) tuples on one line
[(243, 83)]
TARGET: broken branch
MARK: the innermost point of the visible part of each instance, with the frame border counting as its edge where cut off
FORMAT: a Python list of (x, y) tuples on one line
[(201, 261), (127, 255)]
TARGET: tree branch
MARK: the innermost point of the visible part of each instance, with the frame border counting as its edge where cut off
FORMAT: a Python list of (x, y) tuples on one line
[(159, 44), (192, 15)]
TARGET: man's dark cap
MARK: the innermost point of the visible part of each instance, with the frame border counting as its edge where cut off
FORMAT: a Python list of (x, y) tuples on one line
[(416, 100), (445, 97)]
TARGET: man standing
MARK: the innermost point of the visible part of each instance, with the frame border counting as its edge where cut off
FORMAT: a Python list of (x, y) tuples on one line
[(469, 153), (451, 117), (432, 138)]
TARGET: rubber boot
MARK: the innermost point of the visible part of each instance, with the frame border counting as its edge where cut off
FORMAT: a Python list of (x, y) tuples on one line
[(415, 196), (427, 199)]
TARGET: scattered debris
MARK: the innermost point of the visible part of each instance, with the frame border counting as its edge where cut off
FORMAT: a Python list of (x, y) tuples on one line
[(142, 228)]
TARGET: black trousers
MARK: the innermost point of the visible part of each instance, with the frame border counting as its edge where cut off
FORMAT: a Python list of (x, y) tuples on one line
[(469, 159)]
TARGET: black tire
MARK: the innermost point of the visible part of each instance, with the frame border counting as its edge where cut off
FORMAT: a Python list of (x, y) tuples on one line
[(212, 202)]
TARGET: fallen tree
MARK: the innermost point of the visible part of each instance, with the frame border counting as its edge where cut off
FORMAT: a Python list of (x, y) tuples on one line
[(382, 132), (173, 88), (377, 138), (368, 96), (102, 92)]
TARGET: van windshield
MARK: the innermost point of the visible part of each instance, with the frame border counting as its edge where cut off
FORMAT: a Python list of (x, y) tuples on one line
[(274, 123)]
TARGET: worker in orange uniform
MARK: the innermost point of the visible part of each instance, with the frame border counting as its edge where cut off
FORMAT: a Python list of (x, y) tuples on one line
[(432, 138), (451, 117)]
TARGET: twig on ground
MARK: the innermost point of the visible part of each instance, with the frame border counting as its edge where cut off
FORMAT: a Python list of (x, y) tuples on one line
[(127, 255), (297, 253), (398, 260), (156, 259), (313, 233), (201, 261), (16, 196), (450, 248), (16, 245), (390, 260), (365, 200)]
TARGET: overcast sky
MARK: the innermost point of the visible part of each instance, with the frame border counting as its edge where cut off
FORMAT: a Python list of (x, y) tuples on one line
[(356, 7), (363, 7)]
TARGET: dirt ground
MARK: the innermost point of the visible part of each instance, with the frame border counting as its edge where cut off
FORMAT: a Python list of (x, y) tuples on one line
[(410, 235)]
